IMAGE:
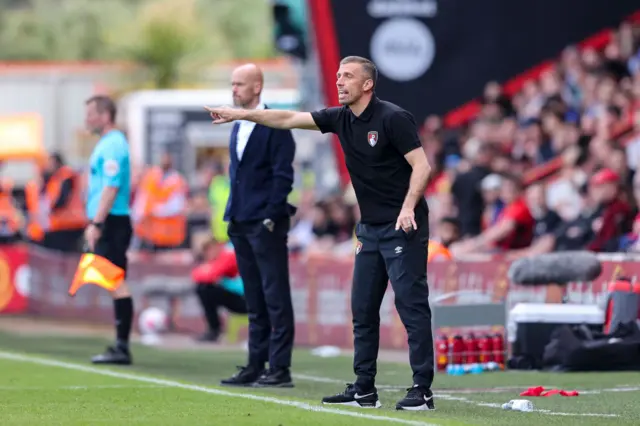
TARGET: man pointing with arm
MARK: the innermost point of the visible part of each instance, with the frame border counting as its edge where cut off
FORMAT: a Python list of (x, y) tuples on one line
[(389, 171)]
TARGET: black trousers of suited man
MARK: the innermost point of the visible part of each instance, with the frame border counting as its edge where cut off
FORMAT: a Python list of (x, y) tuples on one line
[(263, 263)]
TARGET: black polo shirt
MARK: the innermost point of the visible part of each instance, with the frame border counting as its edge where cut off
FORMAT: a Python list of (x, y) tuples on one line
[(374, 146)]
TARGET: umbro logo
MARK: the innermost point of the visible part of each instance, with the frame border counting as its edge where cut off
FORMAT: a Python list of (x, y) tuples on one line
[(398, 250)]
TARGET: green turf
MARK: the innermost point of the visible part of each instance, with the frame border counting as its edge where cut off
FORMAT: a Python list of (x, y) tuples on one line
[(41, 395)]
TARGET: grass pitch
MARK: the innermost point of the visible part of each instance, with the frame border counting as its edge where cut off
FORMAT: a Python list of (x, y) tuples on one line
[(47, 380)]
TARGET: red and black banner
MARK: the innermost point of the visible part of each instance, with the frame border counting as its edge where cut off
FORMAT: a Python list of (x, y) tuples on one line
[(435, 55)]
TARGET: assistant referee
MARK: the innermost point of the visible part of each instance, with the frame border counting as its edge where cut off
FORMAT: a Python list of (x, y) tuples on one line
[(109, 231), (389, 171)]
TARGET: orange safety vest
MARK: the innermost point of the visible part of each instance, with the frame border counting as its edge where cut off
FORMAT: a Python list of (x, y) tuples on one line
[(437, 251), (154, 192), (41, 219), (9, 215)]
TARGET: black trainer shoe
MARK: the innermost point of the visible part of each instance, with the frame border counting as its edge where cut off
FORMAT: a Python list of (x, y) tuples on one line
[(417, 399), (246, 376), (113, 355), (276, 378), (353, 398)]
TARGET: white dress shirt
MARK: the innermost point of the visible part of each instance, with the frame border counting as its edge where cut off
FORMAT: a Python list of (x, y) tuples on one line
[(244, 132)]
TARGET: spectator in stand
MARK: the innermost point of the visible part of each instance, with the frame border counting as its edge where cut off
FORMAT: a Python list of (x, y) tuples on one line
[(531, 102), (451, 167), (603, 220), (322, 229), (493, 94), (513, 229), (546, 221), (554, 129), (447, 231), (11, 220), (551, 86), (532, 147), (633, 147), (198, 213), (576, 110), (563, 193), (617, 162), (159, 213), (341, 221), (570, 64), (301, 234), (630, 242), (493, 205), (467, 193), (635, 193), (614, 213), (573, 234), (503, 163), (614, 64)]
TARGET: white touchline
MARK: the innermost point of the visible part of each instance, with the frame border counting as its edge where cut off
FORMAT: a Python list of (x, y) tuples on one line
[(494, 405), (213, 391), (79, 387), (448, 395)]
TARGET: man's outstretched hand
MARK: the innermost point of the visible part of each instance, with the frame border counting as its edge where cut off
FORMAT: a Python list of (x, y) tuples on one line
[(224, 114)]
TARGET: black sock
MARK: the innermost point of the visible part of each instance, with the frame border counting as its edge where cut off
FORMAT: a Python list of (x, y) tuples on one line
[(123, 309)]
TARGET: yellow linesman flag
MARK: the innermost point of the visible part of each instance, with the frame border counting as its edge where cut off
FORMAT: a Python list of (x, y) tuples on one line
[(97, 270)]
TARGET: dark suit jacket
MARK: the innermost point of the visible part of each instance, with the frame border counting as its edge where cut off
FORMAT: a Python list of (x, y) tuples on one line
[(263, 179)]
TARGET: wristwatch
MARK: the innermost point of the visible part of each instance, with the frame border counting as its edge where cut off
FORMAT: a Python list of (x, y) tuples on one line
[(268, 223)]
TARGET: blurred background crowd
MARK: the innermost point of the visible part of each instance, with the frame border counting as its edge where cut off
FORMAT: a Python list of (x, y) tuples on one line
[(551, 167)]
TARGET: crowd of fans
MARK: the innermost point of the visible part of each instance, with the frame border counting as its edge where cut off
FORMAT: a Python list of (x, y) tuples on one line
[(583, 115)]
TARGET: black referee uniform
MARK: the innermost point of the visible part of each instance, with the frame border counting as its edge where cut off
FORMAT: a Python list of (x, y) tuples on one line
[(374, 145)]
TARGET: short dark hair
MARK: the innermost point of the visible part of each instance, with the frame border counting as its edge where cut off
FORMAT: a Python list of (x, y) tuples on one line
[(615, 110), (58, 159), (513, 178), (104, 104), (450, 220), (368, 66)]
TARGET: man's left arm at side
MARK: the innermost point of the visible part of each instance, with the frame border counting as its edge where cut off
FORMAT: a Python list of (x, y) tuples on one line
[(419, 177), (282, 150), (106, 203), (404, 136)]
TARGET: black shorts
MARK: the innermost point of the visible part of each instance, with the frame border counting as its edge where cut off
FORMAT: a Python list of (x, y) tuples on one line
[(115, 239)]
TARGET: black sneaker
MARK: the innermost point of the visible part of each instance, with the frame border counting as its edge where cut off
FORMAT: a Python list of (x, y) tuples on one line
[(113, 355), (417, 399), (353, 398), (246, 376), (278, 378)]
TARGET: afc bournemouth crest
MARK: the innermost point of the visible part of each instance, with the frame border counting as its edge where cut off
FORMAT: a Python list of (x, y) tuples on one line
[(358, 247), (372, 138)]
